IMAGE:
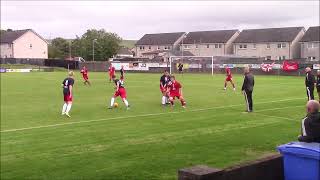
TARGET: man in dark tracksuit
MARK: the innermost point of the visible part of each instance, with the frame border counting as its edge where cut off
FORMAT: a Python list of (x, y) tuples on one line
[(310, 125), (310, 83), (247, 88)]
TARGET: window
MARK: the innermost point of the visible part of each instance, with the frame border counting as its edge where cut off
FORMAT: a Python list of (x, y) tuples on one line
[(268, 46), (220, 45), (165, 47), (278, 57), (268, 57), (283, 57), (310, 45), (30, 46), (141, 48), (281, 45), (208, 45), (9, 46), (196, 46), (158, 47), (311, 58), (149, 47), (242, 46), (254, 46), (186, 47), (216, 46), (169, 47)]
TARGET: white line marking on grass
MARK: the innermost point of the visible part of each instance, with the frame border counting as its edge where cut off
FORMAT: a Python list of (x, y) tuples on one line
[(278, 108), (278, 117), (141, 115)]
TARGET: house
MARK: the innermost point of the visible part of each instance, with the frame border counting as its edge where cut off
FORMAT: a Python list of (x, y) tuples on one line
[(124, 52), (165, 54), (156, 42), (210, 43), (272, 43), (23, 44), (310, 44)]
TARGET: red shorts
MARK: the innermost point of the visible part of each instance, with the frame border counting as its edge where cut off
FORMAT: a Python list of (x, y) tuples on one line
[(229, 78), (85, 77), (163, 89), (174, 95), (122, 93), (111, 75), (67, 98)]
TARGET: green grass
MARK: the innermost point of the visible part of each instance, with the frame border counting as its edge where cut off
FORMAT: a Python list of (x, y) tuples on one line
[(148, 141)]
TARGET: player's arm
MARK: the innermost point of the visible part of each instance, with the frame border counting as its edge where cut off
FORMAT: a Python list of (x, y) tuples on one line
[(70, 90), (244, 83)]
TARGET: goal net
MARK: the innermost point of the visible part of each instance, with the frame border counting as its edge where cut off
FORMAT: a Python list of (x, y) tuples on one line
[(193, 64)]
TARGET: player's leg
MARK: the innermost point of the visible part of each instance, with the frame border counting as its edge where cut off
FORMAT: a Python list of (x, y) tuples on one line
[(319, 95), (232, 83), (183, 102), (311, 93), (64, 108), (171, 99), (164, 97), (123, 95), (225, 85), (69, 105)]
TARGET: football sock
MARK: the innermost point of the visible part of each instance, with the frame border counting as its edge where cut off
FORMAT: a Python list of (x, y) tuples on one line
[(126, 102), (112, 102), (64, 108), (164, 99), (68, 108), (182, 102)]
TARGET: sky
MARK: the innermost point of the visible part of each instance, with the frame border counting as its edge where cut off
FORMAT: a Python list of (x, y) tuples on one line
[(133, 19)]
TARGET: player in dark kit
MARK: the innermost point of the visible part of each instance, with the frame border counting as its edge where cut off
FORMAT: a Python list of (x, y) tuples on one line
[(180, 68), (67, 85), (122, 73), (228, 79), (120, 91), (175, 91), (310, 82), (84, 72), (163, 87)]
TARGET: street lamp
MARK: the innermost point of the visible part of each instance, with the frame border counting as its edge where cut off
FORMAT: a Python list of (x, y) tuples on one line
[(70, 50), (93, 48)]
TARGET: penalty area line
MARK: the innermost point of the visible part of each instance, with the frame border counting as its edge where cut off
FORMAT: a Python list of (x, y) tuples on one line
[(144, 115)]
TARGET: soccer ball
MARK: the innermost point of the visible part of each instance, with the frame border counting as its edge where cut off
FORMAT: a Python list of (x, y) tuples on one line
[(115, 105)]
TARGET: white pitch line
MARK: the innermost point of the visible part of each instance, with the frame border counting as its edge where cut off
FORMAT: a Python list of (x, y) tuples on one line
[(141, 115)]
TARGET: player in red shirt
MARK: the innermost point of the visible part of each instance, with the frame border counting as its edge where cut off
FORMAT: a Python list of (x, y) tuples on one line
[(111, 71), (84, 72), (120, 91), (175, 91), (228, 79)]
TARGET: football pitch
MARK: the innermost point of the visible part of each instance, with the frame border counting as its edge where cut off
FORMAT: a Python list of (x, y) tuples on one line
[(148, 141)]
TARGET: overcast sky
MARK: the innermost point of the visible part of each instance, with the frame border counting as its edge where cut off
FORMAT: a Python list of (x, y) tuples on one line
[(132, 19)]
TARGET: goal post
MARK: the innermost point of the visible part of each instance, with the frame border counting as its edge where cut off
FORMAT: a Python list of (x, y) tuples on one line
[(203, 63)]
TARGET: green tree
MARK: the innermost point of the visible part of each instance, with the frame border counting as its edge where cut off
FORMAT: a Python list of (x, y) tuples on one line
[(59, 48), (106, 45)]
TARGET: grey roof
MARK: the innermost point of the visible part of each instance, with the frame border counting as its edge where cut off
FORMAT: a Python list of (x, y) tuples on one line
[(160, 39), (11, 36), (286, 34), (312, 34), (219, 36)]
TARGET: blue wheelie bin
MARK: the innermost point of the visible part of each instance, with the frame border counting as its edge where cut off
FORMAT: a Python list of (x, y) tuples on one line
[(301, 160)]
